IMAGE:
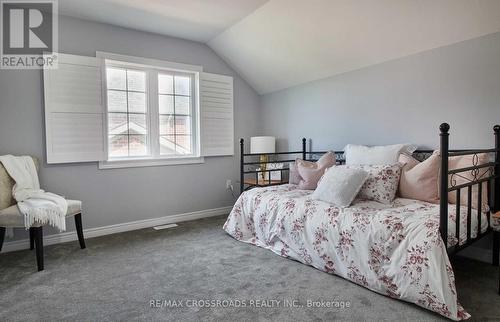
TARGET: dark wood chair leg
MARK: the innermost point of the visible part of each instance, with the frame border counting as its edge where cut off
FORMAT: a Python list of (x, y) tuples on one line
[(2, 236), (79, 230), (32, 238), (496, 248), (38, 232)]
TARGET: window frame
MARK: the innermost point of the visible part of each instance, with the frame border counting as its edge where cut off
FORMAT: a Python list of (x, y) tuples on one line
[(193, 112), (153, 68), (148, 112)]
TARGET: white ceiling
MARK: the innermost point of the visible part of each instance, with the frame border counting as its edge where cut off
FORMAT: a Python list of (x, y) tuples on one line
[(198, 20), (281, 43), (290, 42)]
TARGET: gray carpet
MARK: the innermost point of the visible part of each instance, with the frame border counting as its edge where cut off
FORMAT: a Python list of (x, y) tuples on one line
[(117, 276)]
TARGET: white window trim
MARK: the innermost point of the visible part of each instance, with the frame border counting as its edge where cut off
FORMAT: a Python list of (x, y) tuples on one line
[(149, 162), (149, 62), (154, 64)]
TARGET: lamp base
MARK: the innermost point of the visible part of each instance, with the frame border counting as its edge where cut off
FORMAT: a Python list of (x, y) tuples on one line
[(263, 166)]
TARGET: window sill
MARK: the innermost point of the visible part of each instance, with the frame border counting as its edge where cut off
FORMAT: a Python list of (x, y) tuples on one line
[(138, 163)]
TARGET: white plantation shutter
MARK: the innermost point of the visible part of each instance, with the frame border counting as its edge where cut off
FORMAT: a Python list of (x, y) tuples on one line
[(74, 110), (216, 107)]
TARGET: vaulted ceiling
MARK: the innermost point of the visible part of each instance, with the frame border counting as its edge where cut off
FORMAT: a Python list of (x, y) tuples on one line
[(277, 44), (198, 20)]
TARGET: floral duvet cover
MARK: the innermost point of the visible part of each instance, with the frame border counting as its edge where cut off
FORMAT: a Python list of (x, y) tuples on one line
[(395, 250)]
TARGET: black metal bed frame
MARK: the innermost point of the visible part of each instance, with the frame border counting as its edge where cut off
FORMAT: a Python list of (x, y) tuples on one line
[(488, 173)]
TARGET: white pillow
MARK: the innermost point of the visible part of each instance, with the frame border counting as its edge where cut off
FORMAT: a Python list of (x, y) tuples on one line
[(340, 185), (382, 154)]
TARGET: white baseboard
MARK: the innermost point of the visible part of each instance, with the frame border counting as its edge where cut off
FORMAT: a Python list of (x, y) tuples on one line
[(118, 228)]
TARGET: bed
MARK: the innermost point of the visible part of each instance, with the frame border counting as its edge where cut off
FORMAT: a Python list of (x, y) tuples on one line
[(400, 250)]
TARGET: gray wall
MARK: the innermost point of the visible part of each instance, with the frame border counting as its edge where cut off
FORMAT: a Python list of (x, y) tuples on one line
[(123, 195), (403, 100)]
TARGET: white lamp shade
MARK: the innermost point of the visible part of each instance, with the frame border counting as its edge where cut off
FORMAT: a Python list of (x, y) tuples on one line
[(262, 144)]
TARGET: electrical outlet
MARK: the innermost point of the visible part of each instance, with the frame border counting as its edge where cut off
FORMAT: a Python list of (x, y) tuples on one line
[(229, 184)]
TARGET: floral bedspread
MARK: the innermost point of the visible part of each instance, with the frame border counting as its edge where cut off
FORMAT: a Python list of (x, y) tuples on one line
[(394, 250)]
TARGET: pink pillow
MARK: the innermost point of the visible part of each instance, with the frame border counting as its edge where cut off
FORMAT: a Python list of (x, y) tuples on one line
[(419, 180), (464, 161), (311, 172), (293, 174)]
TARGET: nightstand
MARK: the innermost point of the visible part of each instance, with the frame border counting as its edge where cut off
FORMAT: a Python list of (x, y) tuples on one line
[(261, 182)]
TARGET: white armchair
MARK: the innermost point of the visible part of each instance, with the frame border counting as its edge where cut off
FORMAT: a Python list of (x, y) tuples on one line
[(11, 217)]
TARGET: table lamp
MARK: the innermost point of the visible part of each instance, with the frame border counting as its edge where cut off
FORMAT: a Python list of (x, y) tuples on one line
[(262, 145)]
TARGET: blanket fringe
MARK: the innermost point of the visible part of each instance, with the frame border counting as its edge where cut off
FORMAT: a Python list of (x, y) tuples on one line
[(43, 216)]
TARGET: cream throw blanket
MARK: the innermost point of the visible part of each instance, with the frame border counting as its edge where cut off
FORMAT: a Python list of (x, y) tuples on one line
[(37, 206)]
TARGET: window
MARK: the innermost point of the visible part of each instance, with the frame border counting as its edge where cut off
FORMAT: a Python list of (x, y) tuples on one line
[(125, 111), (175, 106), (151, 112)]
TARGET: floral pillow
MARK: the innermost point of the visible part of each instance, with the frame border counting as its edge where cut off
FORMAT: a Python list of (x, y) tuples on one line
[(382, 182)]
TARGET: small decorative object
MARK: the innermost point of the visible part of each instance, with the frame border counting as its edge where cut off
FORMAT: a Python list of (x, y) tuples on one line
[(496, 222), (263, 145), (262, 176), (275, 175)]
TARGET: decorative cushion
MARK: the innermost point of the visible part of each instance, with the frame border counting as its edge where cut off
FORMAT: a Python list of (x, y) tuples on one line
[(382, 182), (420, 180), (311, 172), (11, 217), (293, 174), (387, 154), (340, 185), (464, 161), (6, 184), (495, 222)]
